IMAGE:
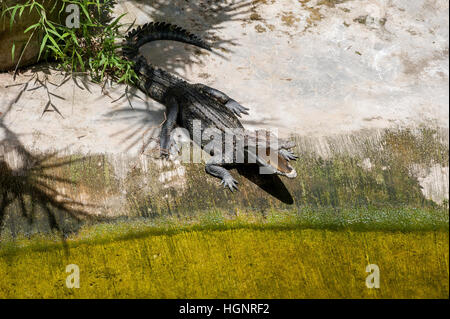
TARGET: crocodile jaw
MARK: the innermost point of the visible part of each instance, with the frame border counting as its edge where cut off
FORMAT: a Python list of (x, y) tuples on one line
[(291, 174)]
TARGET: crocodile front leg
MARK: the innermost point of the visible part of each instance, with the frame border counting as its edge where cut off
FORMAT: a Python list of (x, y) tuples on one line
[(168, 126), (229, 103), (288, 155), (284, 150), (214, 168)]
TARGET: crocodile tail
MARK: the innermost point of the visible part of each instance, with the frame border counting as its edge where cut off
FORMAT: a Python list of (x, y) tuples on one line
[(156, 31)]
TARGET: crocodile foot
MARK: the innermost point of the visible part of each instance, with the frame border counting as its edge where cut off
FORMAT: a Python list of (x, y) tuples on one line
[(236, 108), (173, 149), (164, 153), (288, 155), (229, 182)]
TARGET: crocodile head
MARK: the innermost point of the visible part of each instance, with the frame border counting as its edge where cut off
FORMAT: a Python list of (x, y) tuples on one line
[(273, 162), (274, 159)]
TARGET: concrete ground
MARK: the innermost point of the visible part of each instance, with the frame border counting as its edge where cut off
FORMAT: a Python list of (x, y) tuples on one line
[(311, 68), (304, 67)]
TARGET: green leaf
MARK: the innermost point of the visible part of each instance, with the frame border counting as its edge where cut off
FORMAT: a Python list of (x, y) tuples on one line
[(80, 60), (44, 41), (52, 9), (34, 26), (86, 13), (62, 8), (102, 61), (55, 50), (21, 11), (52, 40), (65, 35), (13, 50), (74, 39), (54, 32), (11, 21), (39, 5), (114, 23), (51, 25)]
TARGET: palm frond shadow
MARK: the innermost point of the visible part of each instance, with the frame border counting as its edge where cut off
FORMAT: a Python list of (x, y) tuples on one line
[(29, 197), (201, 18), (144, 129)]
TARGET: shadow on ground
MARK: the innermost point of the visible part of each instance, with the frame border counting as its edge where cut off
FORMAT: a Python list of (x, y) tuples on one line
[(29, 197), (203, 18)]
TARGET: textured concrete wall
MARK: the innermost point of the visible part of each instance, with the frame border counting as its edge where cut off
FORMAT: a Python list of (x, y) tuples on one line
[(322, 70)]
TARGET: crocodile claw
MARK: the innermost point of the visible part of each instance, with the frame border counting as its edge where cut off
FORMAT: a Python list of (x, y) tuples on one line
[(236, 108), (164, 153), (174, 149), (288, 155), (229, 182)]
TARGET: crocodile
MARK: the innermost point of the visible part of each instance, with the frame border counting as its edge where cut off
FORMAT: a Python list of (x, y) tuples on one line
[(213, 109)]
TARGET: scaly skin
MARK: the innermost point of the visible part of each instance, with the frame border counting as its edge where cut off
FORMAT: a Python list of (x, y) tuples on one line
[(187, 102)]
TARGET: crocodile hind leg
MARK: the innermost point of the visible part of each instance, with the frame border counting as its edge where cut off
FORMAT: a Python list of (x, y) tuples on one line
[(229, 103), (168, 126), (215, 168)]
